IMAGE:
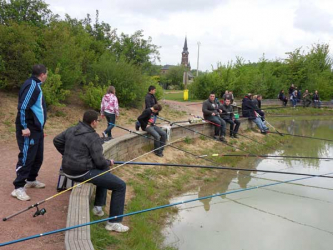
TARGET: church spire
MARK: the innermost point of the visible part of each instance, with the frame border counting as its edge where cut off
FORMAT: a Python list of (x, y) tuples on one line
[(185, 49)]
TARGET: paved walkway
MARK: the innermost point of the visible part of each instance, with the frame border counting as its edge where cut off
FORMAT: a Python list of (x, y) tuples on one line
[(24, 224)]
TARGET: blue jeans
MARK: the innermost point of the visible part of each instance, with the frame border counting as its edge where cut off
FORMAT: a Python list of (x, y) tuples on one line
[(104, 183), (111, 119), (294, 102), (159, 137), (261, 125), (220, 124)]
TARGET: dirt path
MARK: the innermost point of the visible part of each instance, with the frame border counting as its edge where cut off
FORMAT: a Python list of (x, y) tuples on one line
[(24, 224)]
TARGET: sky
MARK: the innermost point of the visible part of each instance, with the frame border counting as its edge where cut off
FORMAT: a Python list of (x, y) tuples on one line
[(225, 28)]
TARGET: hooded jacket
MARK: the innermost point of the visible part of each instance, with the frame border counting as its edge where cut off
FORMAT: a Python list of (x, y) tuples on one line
[(31, 108), (208, 108), (150, 100), (110, 104), (248, 108), (81, 150)]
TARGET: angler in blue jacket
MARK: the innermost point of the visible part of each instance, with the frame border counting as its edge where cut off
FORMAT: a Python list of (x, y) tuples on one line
[(30, 121)]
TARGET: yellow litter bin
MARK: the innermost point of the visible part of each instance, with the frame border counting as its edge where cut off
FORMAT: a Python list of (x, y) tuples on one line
[(185, 94)]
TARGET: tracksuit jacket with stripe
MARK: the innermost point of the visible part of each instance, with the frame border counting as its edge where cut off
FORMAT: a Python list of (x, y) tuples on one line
[(31, 110)]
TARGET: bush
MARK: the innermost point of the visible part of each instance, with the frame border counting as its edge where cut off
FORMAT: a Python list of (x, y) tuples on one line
[(92, 95), (52, 89)]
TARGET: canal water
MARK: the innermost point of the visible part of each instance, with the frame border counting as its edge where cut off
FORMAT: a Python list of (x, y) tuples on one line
[(291, 216)]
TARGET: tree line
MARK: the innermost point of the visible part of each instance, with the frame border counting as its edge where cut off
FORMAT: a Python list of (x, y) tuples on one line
[(310, 70), (79, 54)]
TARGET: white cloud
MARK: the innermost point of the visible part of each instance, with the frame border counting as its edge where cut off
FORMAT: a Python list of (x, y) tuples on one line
[(226, 29)]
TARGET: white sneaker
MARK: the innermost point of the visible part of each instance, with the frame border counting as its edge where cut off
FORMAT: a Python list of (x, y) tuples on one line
[(20, 194), (98, 211), (118, 227), (34, 184)]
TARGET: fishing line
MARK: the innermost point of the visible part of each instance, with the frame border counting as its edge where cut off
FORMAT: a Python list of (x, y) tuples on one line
[(219, 168), (41, 212), (153, 209)]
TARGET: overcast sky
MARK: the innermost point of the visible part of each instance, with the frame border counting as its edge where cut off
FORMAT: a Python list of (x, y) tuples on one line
[(225, 29)]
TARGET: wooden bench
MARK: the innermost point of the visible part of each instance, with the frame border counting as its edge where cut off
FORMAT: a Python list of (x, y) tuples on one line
[(78, 213)]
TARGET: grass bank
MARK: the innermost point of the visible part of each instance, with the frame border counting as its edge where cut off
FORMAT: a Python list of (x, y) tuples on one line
[(151, 186), (298, 111)]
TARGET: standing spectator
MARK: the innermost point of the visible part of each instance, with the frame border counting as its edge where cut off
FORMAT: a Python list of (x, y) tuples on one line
[(306, 98), (109, 109), (291, 89), (30, 121), (232, 97), (228, 116), (249, 110), (227, 95), (150, 101), (283, 98), (147, 122), (316, 100), (293, 98), (211, 110), (82, 159)]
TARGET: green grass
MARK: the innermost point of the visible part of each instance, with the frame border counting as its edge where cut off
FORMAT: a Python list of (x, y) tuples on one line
[(100, 237), (299, 111), (177, 95), (150, 191)]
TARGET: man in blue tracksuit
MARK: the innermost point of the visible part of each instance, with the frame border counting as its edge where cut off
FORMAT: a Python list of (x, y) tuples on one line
[(30, 121)]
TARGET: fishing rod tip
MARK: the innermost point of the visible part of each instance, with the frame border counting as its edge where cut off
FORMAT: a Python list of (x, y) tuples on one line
[(4, 219)]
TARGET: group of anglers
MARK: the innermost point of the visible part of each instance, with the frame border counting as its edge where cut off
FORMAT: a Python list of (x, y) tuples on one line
[(81, 146), (295, 96)]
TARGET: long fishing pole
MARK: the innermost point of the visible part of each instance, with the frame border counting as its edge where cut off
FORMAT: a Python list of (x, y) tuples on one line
[(153, 209), (303, 136), (272, 156), (43, 211), (210, 137), (145, 136), (242, 135), (219, 168)]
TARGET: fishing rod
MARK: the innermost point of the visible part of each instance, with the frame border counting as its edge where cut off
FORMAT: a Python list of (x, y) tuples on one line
[(153, 209), (273, 156), (210, 137), (219, 168), (43, 210), (247, 137), (303, 136), (147, 137)]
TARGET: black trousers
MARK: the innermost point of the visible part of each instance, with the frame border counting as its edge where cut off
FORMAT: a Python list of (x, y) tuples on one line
[(30, 158), (104, 183), (233, 128)]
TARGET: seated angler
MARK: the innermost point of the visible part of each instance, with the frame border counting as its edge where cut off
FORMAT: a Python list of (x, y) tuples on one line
[(306, 98), (228, 116), (248, 109), (316, 100), (82, 159), (283, 98), (211, 110), (147, 123)]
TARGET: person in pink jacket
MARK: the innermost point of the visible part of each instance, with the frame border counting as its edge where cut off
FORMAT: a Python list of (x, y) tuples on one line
[(109, 109)]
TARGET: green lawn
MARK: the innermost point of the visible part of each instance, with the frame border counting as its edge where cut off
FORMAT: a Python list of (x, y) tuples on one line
[(177, 95)]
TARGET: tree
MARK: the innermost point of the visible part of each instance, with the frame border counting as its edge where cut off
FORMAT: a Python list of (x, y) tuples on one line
[(34, 12)]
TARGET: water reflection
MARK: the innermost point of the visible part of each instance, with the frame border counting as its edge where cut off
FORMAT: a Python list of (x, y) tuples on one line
[(299, 214)]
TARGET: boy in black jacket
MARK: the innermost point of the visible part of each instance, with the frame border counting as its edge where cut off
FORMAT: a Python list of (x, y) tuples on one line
[(147, 122), (82, 159)]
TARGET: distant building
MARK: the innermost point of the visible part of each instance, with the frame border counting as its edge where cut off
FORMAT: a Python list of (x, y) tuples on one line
[(184, 61)]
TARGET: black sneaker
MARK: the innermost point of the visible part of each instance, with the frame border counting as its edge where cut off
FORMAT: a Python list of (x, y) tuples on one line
[(216, 137), (235, 136), (263, 132), (137, 126), (159, 154)]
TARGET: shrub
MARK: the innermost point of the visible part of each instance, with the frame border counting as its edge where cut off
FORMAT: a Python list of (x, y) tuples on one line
[(52, 89)]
